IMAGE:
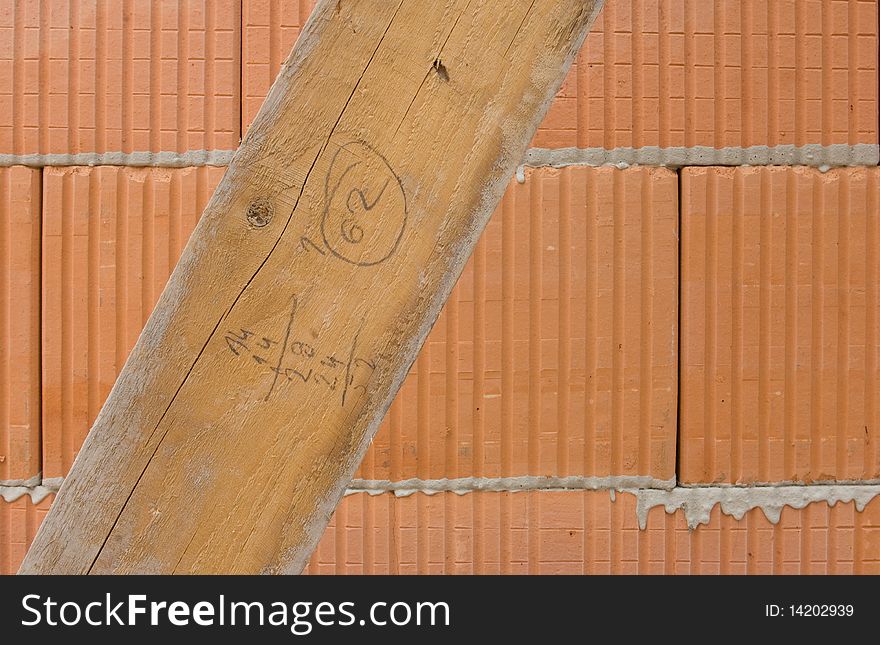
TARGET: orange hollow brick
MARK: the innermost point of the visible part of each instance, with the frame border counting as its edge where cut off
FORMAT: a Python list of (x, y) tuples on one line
[(780, 350), (587, 532), (111, 77), (554, 356), (19, 521), (19, 325), (556, 353), (555, 533), (111, 237), (674, 73)]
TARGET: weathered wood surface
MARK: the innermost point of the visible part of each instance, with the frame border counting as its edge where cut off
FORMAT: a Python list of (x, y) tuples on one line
[(309, 285)]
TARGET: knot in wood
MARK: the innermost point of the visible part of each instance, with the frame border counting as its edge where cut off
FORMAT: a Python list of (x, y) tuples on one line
[(259, 213)]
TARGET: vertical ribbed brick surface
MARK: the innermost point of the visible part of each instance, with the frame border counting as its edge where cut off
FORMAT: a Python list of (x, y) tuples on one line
[(780, 325), (555, 532), (19, 521), (724, 73), (556, 353), (19, 323), (585, 532), (111, 237), (119, 76), (269, 30), (676, 73)]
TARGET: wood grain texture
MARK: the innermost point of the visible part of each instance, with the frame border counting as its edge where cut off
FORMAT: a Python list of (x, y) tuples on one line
[(309, 285)]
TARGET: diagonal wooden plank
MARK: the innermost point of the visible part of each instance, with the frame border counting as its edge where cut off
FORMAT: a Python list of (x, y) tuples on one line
[(309, 285)]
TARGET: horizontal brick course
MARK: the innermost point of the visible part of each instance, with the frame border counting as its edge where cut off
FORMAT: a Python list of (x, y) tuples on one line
[(557, 354), (555, 533), (80, 76), (586, 532), (675, 73), (554, 356)]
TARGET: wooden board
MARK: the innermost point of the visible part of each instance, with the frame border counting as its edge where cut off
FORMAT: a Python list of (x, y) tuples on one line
[(309, 285)]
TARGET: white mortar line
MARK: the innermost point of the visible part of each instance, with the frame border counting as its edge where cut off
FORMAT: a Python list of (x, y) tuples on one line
[(165, 159), (53, 482), (697, 503), (785, 484), (37, 487), (36, 480), (813, 154), (38, 493), (465, 485)]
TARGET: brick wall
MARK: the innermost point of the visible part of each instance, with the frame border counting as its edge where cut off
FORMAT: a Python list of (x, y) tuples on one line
[(680, 290)]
